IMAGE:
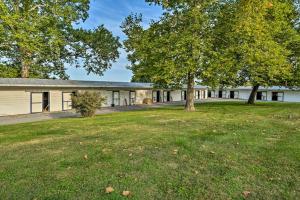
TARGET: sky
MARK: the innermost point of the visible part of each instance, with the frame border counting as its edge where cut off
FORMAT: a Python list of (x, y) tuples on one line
[(112, 13)]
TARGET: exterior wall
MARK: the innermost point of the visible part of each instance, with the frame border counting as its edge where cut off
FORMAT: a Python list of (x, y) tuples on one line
[(14, 102), (55, 100), (292, 96), (288, 96), (142, 94), (176, 95)]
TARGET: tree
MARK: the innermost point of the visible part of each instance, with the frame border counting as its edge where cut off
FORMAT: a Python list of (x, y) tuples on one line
[(38, 37), (256, 43), (172, 51)]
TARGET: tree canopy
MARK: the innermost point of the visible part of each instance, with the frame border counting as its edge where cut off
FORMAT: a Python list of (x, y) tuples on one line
[(172, 51), (257, 43), (38, 38)]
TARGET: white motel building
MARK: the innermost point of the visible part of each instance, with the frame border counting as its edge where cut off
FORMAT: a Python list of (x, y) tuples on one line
[(25, 96)]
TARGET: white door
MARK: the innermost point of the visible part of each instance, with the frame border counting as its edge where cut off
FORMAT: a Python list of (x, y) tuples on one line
[(132, 98), (154, 97), (116, 98), (36, 102), (67, 101)]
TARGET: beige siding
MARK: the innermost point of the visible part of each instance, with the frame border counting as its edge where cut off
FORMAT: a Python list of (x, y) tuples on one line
[(55, 100), (14, 102), (142, 94)]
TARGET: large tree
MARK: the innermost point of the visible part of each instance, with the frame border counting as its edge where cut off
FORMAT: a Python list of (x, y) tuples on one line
[(172, 51), (38, 38), (257, 44)]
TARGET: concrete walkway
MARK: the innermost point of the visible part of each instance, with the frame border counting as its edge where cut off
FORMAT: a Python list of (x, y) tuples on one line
[(17, 119)]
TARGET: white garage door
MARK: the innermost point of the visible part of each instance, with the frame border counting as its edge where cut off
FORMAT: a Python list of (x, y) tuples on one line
[(36, 102), (67, 101)]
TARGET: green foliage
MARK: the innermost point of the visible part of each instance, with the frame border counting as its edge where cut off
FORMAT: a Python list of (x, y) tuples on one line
[(9, 71), (173, 50), (87, 103), (40, 33), (256, 42)]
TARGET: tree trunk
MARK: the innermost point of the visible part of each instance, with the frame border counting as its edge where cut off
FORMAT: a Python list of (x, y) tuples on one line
[(252, 96), (25, 70), (189, 105)]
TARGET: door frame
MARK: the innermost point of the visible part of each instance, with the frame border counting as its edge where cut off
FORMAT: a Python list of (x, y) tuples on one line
[(113, 98), (130, 103), (36, 102)]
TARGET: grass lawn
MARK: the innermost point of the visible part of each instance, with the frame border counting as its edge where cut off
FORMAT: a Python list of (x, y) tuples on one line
[(218, 152)]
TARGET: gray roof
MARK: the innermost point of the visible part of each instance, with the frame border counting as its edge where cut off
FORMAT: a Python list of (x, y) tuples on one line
[(273, 88), (53, 83), (20, 82)]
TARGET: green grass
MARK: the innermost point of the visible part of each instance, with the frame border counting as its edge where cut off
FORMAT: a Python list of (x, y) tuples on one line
[(223, 150)]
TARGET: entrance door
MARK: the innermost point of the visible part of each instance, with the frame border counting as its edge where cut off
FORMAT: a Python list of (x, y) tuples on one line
[(232, 96), (46, 103), (183, 95), (116, 98), (67, 100), (277, 96), (167, 96), (220, 94), (259, 96), (158, 96), (132, 98), (36, 102), (154, 96)]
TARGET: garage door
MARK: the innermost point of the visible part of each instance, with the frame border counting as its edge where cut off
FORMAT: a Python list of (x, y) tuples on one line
[(67, 101), (36, 102)]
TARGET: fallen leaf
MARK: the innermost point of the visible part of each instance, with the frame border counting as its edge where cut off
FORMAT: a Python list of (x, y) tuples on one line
[(246, 194), (109, 190), (126, 193)]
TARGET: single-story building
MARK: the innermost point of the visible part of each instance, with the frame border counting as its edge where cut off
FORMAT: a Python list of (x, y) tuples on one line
[(25, 96), (274, 93)]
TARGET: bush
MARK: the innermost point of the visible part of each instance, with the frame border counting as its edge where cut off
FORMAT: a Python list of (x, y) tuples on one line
[(147, 101), (87, 103)]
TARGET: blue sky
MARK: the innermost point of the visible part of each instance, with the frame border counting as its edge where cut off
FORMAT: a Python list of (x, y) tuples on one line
[(111, 13)]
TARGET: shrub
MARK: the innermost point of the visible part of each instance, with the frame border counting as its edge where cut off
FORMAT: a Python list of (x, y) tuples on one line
[(87, 103), (147, 101)]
